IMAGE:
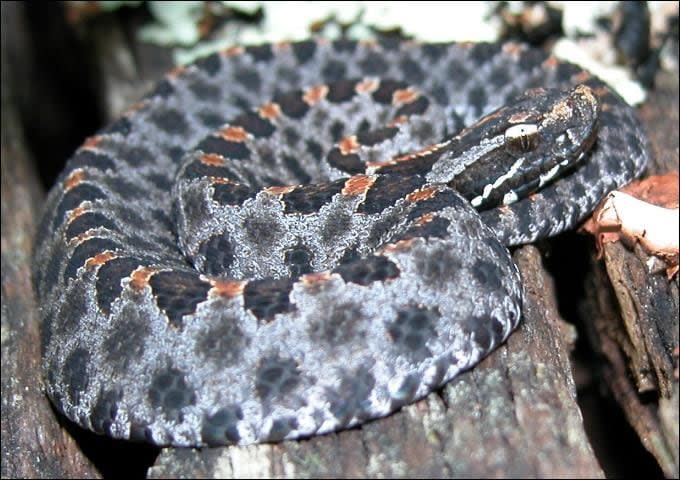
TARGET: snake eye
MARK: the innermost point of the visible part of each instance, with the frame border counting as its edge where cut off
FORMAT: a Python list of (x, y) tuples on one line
[(521, 138)]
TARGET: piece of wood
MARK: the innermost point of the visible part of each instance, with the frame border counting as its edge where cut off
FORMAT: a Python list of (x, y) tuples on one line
[(632, 309), (34, 445)]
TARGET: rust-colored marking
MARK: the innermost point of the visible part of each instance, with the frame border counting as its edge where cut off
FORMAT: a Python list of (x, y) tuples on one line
[(135, 107), (175, 72), (423, 194), (425, 218), (77, 240), (139, 279), (368, 43), (404, 96), (232, 51), (504, 209), (551, 62), (270, 111), (92, 142), (73, 180), (396, 121), (408, 157), (220, 180), (512, 48), (368, 85), (75, 213), (349, 145), (315, 94), (315, 279), (399, 246), (212, 159), (279, 190), (358, 185), (226, 288), (234, 134), (99, 259)]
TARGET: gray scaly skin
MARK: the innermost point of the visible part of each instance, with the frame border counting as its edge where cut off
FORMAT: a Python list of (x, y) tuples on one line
[(279, 241)]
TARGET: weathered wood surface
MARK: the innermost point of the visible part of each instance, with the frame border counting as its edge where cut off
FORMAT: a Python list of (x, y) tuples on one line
[(514, 415), (34, 445), (633, 308)]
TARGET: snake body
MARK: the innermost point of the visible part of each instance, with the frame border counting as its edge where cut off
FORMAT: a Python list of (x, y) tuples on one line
[(278, 241)]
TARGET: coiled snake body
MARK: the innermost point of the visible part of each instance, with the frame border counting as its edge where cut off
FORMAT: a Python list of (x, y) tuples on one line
[(279, 241)]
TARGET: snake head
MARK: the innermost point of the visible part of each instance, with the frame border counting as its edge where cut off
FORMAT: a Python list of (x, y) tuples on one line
[(517, 149)]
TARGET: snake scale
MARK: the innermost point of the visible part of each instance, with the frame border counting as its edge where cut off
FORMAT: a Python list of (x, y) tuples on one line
[(285, 240)]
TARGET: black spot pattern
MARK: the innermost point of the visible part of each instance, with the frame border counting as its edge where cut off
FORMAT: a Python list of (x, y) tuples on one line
[(267, 297), (88, 221), (386, 190), (298, 259), (225, 148), (292, 105), (232, 194), (86, 250), (282, 427), (276, 377), (221, 427), (74, 197), (109, 277), (385, 92), (377, 136), (105, 411), (210, 64), (74, 373), (487, 274), (261, 53), (440, 267), (163, 89), (170, 392), (262, 230), (406, 391), (416, 107), (223, 342), (248, 78), (87, 158), (205, 91), (373, 64), (486, 331), (413, 327), (126, 343), (436, 228), (351, 398), (199, 170), (178, 293), (219, 253), (307, 199), (304, 51), (339, 326), (255, 125), (333, 71), (170, 121), (367, 270), (347, 163)]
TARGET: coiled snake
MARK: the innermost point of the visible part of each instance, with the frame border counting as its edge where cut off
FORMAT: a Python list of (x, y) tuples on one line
[(279, 241)]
